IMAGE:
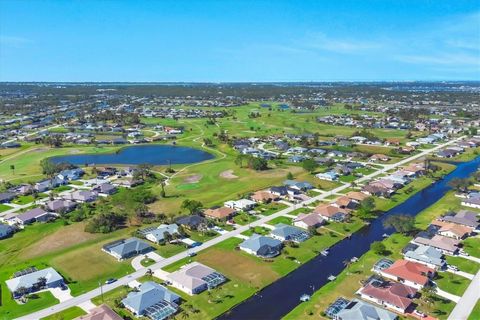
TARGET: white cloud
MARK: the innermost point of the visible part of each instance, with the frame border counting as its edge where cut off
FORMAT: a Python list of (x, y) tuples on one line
[(442, 59)]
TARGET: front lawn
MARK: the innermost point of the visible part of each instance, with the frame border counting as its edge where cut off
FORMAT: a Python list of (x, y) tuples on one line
[(11, 309), (472, 246), (243, 218), (452, 283), (281, 219), (4, 207), (464, 265), (67, 314)]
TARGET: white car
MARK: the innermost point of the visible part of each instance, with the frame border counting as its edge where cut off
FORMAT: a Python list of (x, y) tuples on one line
[(419, 313)]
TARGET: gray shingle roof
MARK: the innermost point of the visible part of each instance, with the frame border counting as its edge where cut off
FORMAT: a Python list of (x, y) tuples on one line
[(30, 279), (359, 310), (150, 294)]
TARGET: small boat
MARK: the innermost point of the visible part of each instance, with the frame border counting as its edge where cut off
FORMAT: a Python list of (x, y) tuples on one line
[(354, 259), (331, 277), (324, 253), (385, 235), (304, 297)]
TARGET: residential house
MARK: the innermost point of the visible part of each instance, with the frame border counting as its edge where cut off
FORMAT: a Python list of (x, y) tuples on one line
[(360, 310), (242, 204), (82, 196), (331, 213), (102, 312), (192, 222), (7, 197), (345, 202), (263, 196), (71, 174), (31, 216), (299, 185), (392, 295), (31, 281), (357, 196), (410, 273), (220, 213), (426, 255), (284, 232), (379, 157), (453, 230), (261, 246), (305, 221), (377, 190), (473, 202), (444, 244), (157, 235), (5, 231), (194, 278), (283, 191), (463, 217), (329, 176), (126, 248), (61, 206), (152, 300), (105, 189)]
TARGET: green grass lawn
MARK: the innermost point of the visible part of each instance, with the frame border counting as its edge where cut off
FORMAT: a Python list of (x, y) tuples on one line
[(11, 309), (257, 230), (464, 265), (452, 283), (472, 246), (4, 207), (243, 218), (475, 315), (167, 250), (62, 188), (281, 219), (23, 199), (271, 208), (67, 314)]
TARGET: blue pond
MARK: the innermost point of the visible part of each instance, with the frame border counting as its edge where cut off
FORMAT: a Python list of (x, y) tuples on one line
[(134, 155)]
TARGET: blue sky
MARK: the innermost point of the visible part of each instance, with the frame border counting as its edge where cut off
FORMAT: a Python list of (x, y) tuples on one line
[(239, 40)]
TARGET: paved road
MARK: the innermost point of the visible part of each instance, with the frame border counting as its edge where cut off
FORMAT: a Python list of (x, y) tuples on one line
[(466, 303), (141, 272)]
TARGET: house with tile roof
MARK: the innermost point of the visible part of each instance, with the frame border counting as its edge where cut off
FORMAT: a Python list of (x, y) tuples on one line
[(392, 295), (410, 273)]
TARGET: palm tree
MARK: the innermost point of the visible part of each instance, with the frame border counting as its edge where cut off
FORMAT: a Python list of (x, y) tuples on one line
[(12, 167)]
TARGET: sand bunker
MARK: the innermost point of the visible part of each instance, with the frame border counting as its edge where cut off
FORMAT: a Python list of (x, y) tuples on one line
[(193, 178), (228, 174)]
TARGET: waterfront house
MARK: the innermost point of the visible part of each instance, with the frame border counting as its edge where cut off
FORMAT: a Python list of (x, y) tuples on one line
[(410, 273), (392, 295), (444, 244), (305, 221), (462, 217), (331, 213), (360, 310), (473, 202), (195, 278), (426, 255), (284, 232)]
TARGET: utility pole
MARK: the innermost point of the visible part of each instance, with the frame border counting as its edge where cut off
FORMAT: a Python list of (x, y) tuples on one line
[(101, 290)]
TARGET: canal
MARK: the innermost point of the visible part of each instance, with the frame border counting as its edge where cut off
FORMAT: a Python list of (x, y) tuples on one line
[(279, 298)]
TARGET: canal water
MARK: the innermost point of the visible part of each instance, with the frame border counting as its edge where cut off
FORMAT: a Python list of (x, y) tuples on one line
[(152, 154), (282, 296)]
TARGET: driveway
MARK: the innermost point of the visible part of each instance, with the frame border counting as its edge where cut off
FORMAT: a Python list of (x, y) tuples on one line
[(136, 262), (61, 295)]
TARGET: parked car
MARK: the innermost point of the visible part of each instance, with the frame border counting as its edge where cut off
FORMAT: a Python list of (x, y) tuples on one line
[(419, 314), (111, 280)]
